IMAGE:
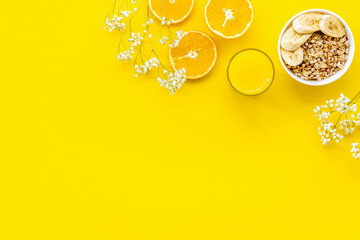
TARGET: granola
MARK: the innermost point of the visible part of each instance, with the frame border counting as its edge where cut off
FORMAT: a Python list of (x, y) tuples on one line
[(323, 57)]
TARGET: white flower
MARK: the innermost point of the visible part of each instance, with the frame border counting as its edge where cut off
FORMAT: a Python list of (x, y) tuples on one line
[(163, 40), (133, 45), (345, 110), (347, 125), (328, 132), (115, 21), (126, 55), (179, 36), (163, 21), (147, 66), (135, 39), (355, 150), (342, 104), (173, 80)]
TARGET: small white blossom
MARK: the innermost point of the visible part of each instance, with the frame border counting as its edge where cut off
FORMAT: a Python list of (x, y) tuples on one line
[(163, 40), (345, 109), (134, 46), (355, 150), (147, 66), (135, 39), (126, 55), (179, 36), (173, 80), (163, 21), (115, 22)]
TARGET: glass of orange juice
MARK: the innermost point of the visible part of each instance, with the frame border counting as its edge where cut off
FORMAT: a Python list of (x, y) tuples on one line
[(251, 72)]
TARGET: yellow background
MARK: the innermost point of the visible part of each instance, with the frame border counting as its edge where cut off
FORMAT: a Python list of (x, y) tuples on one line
[(90, 152)]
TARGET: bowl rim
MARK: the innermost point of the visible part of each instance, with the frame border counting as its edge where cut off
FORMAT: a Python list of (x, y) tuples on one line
[(337, 75)]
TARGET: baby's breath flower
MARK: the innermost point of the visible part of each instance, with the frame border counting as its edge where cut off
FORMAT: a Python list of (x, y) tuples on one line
[(131, 47), (342, 107), (135, 39), (115, 22), (347, 126), (342, 104), (173, 80), (147, 66), (126, 55), (179, 36), (163, 21), (355, 150), (347, 119), (163, 40)]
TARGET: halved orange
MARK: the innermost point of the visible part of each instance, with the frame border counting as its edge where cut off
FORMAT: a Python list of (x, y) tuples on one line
[(175, 10), (229, 18), (196, 52)]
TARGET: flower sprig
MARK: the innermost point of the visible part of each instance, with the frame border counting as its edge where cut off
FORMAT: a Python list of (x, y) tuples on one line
[(132, 43), (173, 80), (338, 118), (355, 150)]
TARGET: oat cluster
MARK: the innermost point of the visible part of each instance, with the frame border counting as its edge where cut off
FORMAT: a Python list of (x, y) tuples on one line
[(323, 57)]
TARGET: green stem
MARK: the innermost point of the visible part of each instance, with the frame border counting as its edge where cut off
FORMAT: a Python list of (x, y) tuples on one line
[(338, 120), (356, 97)]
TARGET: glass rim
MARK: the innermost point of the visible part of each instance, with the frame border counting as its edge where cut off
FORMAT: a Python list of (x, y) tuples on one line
[(253, 49)]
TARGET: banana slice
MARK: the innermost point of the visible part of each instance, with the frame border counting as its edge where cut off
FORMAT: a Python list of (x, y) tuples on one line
[(293, 58), (292, 40), (307, 23), (332, 26)]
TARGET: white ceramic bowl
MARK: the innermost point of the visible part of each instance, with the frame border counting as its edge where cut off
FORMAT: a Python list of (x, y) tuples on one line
[(337, 75)]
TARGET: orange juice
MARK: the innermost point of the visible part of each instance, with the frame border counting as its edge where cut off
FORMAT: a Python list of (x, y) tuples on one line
[(250, 72)]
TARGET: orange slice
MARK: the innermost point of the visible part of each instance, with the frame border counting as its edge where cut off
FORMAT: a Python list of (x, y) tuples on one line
[(196, 52), (172, 10), (229, 18)]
